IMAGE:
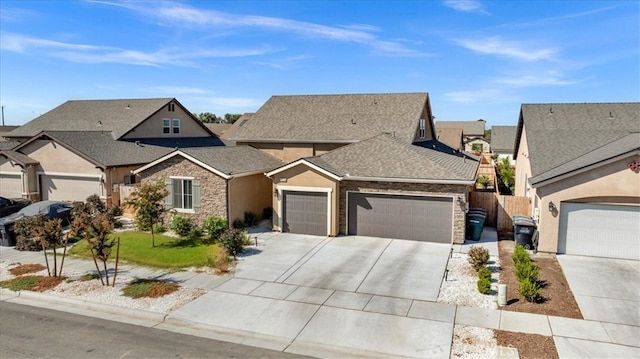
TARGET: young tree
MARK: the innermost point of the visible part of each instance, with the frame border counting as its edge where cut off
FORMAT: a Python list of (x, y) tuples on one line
[(99, 243), (507, 174), (51, 236), (148, 200)]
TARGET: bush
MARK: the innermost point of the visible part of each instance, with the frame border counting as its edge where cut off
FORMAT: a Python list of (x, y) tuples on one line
[(214, 225), (527, 271), (484, 286), (218, 258), (231, 240), (530, 290), (485, 273), (520, 255), (238, 224), (478, 257), (182, 225), (24, 229), (267, 213), (159, 228), (250, 219), (195, 234)]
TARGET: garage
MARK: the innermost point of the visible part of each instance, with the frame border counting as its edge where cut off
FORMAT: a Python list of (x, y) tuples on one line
[(599, 230), (418, 218), (11, 185), (68, 188), (305, 212)]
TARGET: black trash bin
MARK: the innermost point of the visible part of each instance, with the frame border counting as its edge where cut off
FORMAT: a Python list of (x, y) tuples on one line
[(523, 230), (7, 239), (475, 222)]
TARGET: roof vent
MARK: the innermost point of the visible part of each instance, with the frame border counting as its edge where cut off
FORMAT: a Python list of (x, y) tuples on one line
[(137, 143), (610, 115), (353, 122), (128, 107), (550, 110)]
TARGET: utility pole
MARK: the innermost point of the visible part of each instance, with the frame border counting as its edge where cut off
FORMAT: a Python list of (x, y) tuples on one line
[(2, 115)]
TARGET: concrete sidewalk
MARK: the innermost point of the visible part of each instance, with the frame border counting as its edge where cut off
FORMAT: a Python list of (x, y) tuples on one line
[(296, 316)]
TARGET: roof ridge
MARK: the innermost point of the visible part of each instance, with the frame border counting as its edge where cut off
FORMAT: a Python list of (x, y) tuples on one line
[(354, 94)]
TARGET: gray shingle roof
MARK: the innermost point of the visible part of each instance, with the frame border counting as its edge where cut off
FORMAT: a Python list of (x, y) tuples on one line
[(102, 149), (469, 128), (503, 138), (19, 157), (234, 160), (560, 134), (339, 118), (116, 116), (384, 156), (450, 136), (7, 145)]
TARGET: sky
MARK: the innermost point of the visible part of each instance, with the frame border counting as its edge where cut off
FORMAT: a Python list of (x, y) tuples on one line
[(477, 59)]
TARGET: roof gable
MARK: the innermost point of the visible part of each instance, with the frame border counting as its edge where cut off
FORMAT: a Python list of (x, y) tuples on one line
[(386, 157), (558, 134), (117, 117), (335, 118)]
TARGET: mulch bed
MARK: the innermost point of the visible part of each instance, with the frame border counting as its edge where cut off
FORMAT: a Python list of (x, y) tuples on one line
[(558, 301)]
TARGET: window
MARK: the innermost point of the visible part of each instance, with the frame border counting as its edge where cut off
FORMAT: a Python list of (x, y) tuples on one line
[(176, 125), (184, 194), (476, 147), (171, 107), (423, 126), (166, 125)]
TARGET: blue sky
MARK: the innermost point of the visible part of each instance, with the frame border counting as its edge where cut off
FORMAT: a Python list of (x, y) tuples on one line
[(477, 59)]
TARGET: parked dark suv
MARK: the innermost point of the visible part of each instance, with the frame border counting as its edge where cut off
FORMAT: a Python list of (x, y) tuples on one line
[(51, 209), (12, 205)]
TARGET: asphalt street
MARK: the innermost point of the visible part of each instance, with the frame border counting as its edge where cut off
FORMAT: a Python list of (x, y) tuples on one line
[(32, 332)]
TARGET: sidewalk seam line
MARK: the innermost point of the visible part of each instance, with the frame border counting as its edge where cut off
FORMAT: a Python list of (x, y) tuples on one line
[(373, 266)]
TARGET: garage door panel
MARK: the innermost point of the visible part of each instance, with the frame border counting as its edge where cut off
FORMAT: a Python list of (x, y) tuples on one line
[(10, 185), (403, 217), (68, 188), (305, 212), (600, 230)]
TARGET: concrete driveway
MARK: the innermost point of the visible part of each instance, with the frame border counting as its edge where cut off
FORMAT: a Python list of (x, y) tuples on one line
[(607, 290), (378, 266)]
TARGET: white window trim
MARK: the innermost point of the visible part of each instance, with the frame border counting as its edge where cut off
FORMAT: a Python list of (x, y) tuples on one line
[(183, 210), (179, 127), (326, 190)]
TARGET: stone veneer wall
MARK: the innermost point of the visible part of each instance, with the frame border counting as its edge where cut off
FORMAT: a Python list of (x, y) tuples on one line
[(426, 189), (213, 189)]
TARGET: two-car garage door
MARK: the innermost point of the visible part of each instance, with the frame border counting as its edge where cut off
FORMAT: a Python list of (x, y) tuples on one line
[(600, 230), (419, 218)]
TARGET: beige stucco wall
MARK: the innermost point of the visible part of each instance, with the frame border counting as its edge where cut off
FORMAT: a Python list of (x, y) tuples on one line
[(114, 177), (305, 177), (289, 152), (523, 169), (426, 189), (249, 193), (486, 146), (12, 188), (213, 189), (613, 183), (152, 127)]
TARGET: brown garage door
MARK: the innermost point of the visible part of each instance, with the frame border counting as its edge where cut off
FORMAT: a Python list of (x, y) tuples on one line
[(416, 218), (305, 212)]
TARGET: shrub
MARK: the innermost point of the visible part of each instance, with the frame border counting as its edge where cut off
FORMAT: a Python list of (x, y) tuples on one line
[(182, 225), (159, 228), (527, 271), (195, 234), (218, 258), (530, 290), (267, 213), (484, 286), (231, 240), (485, 273), (250, 219), (25, 229), (214, 225), (478, 257), (238, 224), (520, 255)]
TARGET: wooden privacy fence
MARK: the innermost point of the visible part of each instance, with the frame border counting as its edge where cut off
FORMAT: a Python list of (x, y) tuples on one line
[(500, 209)]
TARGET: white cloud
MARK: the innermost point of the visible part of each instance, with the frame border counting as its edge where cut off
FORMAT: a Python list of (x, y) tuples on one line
[(513, 49), (483, 95), (185, 16), (466, 6), (84, 53), (544, 78)]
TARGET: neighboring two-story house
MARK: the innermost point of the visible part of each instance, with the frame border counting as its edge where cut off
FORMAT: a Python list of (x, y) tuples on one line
[(579, 164), (90, 147), (503, 139), (473, 139)]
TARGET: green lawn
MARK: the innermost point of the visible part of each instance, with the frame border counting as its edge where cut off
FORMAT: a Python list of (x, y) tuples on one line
[(169, 252)]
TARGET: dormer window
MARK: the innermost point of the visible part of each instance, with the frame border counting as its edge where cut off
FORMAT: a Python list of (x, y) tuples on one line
[(422, 128), (171, 107)]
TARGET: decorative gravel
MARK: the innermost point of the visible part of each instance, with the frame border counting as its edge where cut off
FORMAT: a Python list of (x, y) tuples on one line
[(473, 342)]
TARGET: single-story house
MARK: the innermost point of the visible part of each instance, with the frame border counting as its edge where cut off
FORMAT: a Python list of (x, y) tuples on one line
[(381, 187), (579, 164), (207, 181)]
